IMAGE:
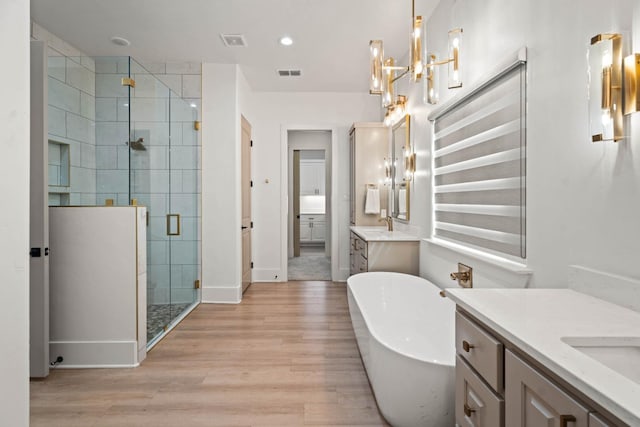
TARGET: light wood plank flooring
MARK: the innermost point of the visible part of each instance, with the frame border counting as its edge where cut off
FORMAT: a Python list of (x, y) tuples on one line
[(286, 356)]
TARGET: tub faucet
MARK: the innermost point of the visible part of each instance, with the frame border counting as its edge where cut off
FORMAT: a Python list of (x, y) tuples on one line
[(389, 222)]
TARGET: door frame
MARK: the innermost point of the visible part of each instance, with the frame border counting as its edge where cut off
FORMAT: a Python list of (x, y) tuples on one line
[(284, 196)]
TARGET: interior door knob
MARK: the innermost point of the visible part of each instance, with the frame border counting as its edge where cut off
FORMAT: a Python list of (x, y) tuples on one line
[(244, 227)]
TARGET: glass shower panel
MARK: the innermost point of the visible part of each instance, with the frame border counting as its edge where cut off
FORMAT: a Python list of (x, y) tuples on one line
[(149, 185), (183, 163)]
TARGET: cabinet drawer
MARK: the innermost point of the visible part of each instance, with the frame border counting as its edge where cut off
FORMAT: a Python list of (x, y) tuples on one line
[(533, 400), (476, 404), (483, 352)]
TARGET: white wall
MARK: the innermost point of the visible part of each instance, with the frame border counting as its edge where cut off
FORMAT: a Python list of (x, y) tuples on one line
[(14, 219), (221, 201), (272, 112), (583, 199)]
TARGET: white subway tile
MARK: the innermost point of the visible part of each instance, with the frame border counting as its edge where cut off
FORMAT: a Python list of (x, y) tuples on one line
[(106, 65), (63, 96), (112, 181), (184, 68), (158, 252), (88, 62), (88, 156), (87, 106), (106, 109), (83, 180), (106, 157), (183, 157), (183, 252), (149, 110), (79, 128), (80, 77), (112, 133), (192, 86), (57, 122), (172, 81), (56, 67), (110, 86)]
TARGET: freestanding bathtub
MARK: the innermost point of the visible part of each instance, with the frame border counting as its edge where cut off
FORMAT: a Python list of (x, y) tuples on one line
[(405, 333)]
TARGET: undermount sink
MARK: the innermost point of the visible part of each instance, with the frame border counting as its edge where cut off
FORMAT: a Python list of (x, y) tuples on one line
[(622, 354)]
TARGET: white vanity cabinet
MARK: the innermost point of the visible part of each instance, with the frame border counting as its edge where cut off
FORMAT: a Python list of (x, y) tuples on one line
[(312, 228), (498, 385), (383, 251)]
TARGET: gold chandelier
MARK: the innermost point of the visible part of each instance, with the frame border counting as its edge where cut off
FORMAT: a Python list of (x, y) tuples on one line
[(383, 70)]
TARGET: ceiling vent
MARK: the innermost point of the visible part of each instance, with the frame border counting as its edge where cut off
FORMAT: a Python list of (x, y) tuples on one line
[(289, 73), (233, 40)]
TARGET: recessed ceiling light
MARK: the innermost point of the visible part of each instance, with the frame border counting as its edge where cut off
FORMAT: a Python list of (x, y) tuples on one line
[(286, 41), (120, 41)]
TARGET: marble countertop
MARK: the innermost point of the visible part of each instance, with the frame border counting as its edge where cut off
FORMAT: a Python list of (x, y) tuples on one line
[(381, 234), (537, 321)]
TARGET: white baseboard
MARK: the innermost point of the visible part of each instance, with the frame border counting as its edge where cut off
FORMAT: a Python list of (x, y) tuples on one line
[(343, 275), (221, 295), (267, 275), (95, 354)]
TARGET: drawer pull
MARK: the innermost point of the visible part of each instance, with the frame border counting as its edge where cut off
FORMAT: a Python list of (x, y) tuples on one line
[(467, 410), (565, 419), (466, 346)]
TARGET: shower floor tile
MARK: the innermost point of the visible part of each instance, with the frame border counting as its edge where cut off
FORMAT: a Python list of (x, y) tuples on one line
[(160, 315)]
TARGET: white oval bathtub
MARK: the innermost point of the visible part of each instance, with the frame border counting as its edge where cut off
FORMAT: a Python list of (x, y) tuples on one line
[(405, 333)]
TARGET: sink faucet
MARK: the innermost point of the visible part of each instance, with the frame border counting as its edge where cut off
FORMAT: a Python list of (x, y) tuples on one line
[(389, 222)]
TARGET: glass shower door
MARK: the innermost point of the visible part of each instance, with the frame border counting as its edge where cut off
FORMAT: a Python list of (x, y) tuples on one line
[(183, 204), (149, 151)]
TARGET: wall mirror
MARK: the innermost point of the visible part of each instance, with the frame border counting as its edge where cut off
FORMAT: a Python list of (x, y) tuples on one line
[(400, 150)]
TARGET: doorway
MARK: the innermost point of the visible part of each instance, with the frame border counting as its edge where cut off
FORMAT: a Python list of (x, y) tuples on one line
[(309, 182)]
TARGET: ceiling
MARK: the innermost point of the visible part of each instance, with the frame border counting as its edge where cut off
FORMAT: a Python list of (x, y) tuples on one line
[(331, 37)]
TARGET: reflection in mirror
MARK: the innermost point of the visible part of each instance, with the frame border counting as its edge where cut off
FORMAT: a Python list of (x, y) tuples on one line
[(400, 149)]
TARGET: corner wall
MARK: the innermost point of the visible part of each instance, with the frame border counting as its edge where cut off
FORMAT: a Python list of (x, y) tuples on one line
[(14, 219), (583, 199)]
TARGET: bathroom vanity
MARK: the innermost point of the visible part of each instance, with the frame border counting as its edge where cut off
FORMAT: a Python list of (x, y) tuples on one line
[(377, 249), (540, 357)]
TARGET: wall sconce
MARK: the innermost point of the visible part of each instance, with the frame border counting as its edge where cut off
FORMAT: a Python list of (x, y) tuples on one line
[(409, 165), (395, 111), (383, 85), (631, 84), (605, 88)]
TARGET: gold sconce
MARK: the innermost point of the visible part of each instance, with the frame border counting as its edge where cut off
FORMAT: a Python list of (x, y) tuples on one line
[(395, 111), (409, 165), (383, 85), (613, 87), (605, 88), (631, 84)]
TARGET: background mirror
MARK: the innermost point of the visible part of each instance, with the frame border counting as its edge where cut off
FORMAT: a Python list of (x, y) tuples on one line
[(400, 147)]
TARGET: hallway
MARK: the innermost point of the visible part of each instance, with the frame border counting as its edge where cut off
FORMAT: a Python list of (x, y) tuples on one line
[(286, 356)]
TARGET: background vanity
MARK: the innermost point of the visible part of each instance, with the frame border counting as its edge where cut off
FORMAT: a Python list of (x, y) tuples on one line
[(378, 157)]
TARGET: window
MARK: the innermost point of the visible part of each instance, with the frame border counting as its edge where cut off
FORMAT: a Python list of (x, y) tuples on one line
[(479, 173)]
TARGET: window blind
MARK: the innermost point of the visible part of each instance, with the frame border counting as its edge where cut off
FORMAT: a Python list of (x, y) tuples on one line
[(480, 167)]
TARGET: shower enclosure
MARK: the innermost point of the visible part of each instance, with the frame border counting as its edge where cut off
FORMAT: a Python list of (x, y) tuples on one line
[(118, 135)]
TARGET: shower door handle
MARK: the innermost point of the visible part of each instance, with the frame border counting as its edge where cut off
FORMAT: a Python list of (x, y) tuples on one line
[(173, 224)]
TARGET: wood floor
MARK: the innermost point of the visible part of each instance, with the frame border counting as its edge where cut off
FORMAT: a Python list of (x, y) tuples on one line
[(286, 356)]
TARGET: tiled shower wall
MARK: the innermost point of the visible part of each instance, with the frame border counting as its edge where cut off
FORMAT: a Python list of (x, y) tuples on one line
[(71, 119), (171, 161), (89, 111)]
